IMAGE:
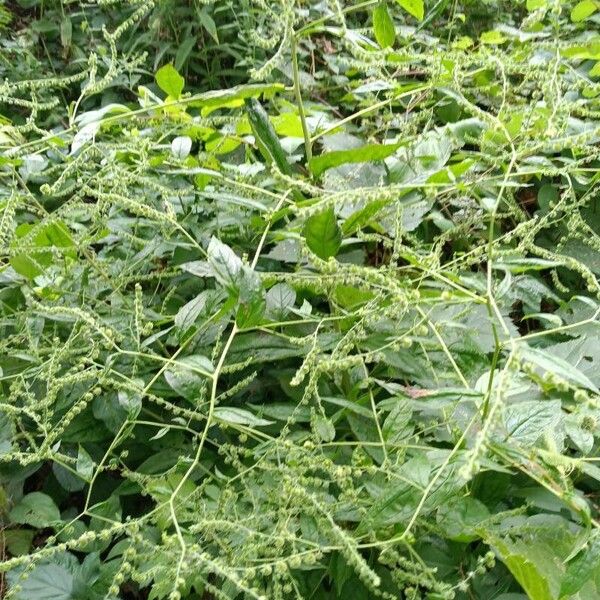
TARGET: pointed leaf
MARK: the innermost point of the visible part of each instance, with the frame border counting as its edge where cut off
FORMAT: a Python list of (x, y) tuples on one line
[(322, 234), (383, 26), (170, 81)]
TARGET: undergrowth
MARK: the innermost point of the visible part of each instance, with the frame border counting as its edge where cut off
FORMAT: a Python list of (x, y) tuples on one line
[(299, 299)]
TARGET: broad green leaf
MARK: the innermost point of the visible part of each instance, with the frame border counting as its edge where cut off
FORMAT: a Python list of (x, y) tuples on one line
[(35, 509), (188, 376), (547, 195), (460, 518), (492, 37), (280, 298), (239, 416), (361, 217), (371, 152), (535, 553), (396, 427), (553, 364), (583, 10), (131, 401), (324, 428), (383, 26), (170, 81), (17, 541), (414, 7), (85, 464), (204, 302), (225, 264), (526, 421), (322, 234), (47, 582)]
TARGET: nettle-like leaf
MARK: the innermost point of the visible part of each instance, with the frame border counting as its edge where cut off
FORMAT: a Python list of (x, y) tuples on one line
[(323, 234), (36, 509), (311, 312)]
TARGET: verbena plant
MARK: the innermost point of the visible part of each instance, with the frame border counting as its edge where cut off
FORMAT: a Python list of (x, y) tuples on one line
[(299, 299)]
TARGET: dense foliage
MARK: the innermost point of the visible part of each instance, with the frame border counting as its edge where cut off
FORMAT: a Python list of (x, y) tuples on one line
[(299, 299)]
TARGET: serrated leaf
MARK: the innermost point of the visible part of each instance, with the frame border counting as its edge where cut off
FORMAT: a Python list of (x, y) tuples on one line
[(323, 234), (396, 427), (383, 26), (225, 264), (188, 376), (553, 364), (35, 509), (280, 298), (526, 421), (460, 518), (324, 428), (170, 81), (46, 582)]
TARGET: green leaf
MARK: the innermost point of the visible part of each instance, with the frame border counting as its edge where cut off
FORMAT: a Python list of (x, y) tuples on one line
[(46, 582), (170, 81), (535, 4), (582, 568), (324, 428), (535, 553), (396, 427), (414, 7), (361, 217), (204, 302), (553, 364), (225, 264), (526, 421), (583, 10), (280, 298), (492, 37), (208, 24), (460, 518), (85, 464), (239, 416), (35, 509), (188, 376), (383, 26), (18, 541), (184, 51), (322, 234), (369, 153), (233, 95)]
